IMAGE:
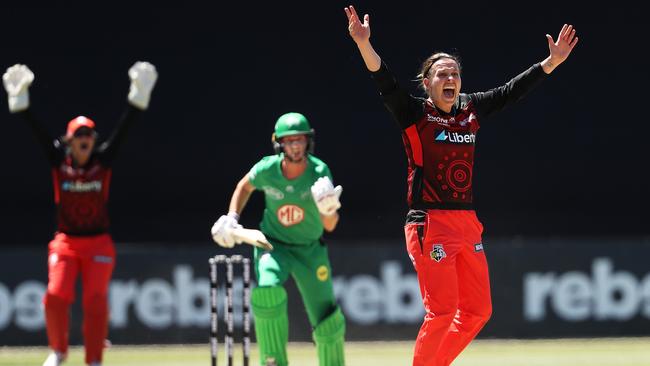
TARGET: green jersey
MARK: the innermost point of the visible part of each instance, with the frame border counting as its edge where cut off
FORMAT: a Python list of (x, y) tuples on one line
[(290, 215)]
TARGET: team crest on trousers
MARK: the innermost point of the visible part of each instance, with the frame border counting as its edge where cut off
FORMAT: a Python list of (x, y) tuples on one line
[(438, 252)]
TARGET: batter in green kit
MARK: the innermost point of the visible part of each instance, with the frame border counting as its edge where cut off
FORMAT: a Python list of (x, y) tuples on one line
[(300, 203)]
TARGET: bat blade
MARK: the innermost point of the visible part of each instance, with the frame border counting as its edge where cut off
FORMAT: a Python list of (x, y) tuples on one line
[(253, 237)]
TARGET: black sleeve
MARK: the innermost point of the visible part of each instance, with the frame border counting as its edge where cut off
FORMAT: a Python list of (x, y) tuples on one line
[(498, 98), (405, 108), (108, 149), (54, 149)]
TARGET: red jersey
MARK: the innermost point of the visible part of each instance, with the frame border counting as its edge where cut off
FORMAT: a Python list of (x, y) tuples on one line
[(81, 197), (440, 146), (81, 192)]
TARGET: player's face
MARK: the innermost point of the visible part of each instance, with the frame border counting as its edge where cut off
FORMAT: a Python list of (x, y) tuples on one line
[(443, 83), (82, 144), (295, 147)]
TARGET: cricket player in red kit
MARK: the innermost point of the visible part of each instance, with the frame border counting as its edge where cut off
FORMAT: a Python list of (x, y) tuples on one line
[(82, 246), (443, 234)]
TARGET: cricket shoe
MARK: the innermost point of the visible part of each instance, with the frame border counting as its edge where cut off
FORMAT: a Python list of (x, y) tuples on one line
[(54, 359), (270, 361)]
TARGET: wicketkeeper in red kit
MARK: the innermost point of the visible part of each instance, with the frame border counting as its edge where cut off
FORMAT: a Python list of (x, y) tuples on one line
[(82, 245), (443, 234)]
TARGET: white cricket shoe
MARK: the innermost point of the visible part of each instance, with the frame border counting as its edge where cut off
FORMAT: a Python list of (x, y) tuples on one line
[(54, 359)]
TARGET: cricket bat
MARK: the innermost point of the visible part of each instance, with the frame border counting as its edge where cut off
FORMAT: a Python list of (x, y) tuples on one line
[(253, 237)]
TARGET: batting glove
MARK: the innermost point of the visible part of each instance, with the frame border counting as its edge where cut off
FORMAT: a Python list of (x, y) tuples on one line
[(222, 231), (326, 196), (143, 77), (17, 80)]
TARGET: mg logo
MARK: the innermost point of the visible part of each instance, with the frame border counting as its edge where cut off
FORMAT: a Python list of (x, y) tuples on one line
[(289, 215)]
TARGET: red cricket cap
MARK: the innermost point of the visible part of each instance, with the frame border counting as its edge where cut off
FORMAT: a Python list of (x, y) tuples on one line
[(77, 123)]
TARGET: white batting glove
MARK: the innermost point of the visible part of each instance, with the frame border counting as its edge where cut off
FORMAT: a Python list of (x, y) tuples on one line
[(326, 196), (222, 231), (17, 80), (143, 77)]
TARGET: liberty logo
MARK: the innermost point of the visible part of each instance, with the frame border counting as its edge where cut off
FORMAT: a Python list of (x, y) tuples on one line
[(438, 252), (455, 137), (79, 186), (442, 136)]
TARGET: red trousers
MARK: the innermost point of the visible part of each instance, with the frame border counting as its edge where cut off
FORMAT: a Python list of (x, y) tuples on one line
[(92, 257), (447, 252)]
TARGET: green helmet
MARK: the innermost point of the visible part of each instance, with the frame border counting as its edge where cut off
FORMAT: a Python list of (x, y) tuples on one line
[(292, 124)]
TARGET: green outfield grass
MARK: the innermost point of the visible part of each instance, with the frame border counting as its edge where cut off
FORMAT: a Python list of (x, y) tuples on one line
[(563, 352)]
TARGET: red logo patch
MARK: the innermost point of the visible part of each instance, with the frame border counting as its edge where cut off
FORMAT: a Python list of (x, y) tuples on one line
[(290, 215)]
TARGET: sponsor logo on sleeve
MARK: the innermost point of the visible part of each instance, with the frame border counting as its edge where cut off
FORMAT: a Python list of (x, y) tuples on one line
[(322, 273), (103, 259), (273, 192)]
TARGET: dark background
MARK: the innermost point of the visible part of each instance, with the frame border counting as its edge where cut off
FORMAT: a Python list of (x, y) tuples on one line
[(570, 160), (358, 269)]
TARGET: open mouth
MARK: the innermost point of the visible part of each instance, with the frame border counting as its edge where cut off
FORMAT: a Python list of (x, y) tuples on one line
[(448, 92), (84, 146)]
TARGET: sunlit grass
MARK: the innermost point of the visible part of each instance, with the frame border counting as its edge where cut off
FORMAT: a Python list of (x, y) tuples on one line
[(559, 352)]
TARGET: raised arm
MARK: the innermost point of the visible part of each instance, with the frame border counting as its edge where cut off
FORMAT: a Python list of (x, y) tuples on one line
[(143, 77), (360, 33), (559, 50), (405, 108), (499, 98), (17, 80)]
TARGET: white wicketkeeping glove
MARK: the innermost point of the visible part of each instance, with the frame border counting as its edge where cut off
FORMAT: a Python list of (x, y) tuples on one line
[(222, 231), (143, 77), (326, 196), (17, 80)]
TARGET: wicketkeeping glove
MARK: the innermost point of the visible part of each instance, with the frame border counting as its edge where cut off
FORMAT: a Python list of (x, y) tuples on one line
[(143, 77), (17, 80), (222, 231), (326, 196)]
